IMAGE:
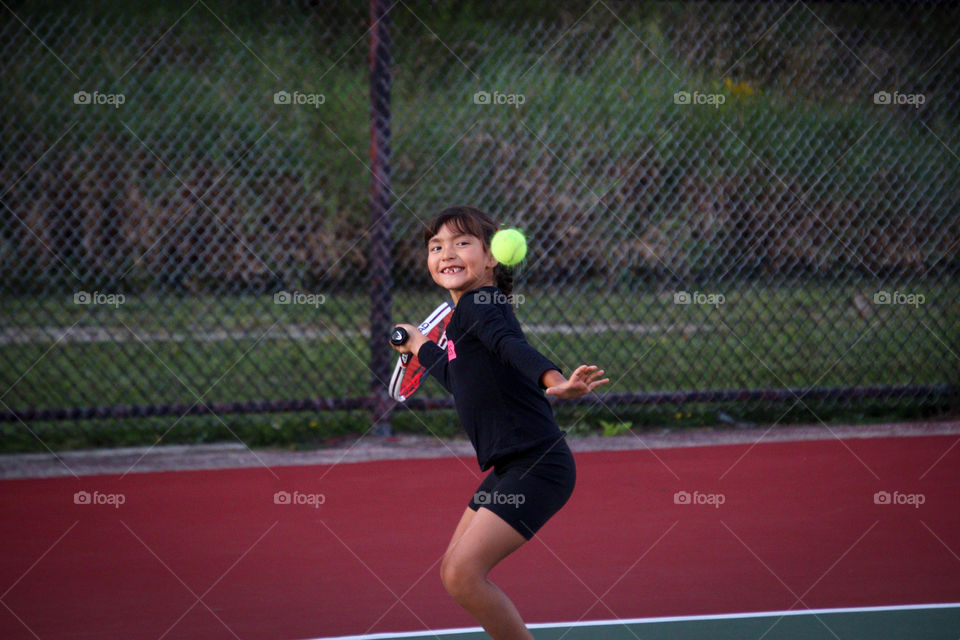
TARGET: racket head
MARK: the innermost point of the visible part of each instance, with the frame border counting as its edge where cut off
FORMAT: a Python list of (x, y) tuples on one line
[(409, 373)]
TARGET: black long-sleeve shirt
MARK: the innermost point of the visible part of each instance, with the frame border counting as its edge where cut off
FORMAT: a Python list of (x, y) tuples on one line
[(494, 376)]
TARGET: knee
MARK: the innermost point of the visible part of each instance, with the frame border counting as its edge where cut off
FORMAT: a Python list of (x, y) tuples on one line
[(459, 579)]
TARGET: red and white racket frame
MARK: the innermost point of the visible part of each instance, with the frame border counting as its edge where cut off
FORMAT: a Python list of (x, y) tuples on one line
[(408, 373)]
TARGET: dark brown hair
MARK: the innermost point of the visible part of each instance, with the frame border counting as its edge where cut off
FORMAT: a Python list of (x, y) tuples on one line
[(476, 223)]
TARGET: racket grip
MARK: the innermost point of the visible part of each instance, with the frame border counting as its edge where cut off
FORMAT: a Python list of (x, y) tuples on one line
[(399, 336)]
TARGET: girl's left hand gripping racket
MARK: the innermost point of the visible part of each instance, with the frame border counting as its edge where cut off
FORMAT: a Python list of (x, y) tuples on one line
[(409, 372)]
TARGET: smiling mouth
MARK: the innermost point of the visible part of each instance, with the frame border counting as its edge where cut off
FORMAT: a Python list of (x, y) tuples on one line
[(451, 270)]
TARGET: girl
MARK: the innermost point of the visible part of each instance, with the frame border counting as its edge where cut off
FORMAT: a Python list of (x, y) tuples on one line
[(498, 382)]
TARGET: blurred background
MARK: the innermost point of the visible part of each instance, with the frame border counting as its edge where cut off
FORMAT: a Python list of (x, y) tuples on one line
[(745, 212)]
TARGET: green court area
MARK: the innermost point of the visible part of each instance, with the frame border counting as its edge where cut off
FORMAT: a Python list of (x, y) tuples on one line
[(929, 622)]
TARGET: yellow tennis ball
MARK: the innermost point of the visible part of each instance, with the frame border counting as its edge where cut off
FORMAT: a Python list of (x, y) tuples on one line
[(508, 246)]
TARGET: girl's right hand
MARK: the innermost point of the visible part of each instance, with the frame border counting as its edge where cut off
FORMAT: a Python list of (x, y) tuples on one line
[(415, 340)]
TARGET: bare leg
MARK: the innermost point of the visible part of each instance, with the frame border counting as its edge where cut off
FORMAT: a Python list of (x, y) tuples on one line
[(481, 540), (462, 526)]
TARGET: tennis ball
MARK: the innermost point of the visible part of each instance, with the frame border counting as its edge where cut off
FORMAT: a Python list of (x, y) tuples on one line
[(508, 246)]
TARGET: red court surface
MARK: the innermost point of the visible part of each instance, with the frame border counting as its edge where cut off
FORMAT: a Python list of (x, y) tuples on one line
[(209, 554)]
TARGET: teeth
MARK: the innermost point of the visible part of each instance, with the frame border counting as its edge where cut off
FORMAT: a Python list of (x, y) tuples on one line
[(452, 270)]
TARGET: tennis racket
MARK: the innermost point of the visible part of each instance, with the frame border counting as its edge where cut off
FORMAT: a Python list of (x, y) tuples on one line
[(409, 373)]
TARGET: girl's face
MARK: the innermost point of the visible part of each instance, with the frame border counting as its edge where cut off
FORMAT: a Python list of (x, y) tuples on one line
[(459, 262)]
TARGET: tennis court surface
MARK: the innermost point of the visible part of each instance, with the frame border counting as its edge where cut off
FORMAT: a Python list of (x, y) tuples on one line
[(853, 538)]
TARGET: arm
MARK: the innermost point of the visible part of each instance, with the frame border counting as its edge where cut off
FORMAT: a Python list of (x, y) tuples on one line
[(434, 358), (551, 378), (489, 323)]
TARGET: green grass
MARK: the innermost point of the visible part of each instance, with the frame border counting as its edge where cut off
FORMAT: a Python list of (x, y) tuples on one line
[(207, 103), (760, 337)]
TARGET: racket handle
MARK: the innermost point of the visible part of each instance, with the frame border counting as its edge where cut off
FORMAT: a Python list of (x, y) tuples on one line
[(399, 336)]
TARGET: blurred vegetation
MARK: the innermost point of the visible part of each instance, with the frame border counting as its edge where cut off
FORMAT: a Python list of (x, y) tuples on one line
[(199, 182)]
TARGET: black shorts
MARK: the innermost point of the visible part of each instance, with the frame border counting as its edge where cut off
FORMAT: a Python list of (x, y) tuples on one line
[(527, 488)]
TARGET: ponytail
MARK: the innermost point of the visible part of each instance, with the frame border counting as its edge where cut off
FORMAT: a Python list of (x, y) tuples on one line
[(503, 277)]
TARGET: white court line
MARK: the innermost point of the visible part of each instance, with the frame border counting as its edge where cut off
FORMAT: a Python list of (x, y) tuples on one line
[(597, 623)]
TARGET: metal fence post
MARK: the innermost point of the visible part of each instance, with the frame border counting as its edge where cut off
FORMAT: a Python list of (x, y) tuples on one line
[(380, 243)]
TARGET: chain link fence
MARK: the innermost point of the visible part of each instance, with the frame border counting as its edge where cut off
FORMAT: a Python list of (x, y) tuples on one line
[(726, 203)]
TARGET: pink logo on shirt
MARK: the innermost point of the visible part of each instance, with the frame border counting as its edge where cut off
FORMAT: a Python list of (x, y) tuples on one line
[(451, 352)]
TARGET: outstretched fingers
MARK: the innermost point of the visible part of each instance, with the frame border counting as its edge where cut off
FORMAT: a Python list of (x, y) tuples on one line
[(594, 383), (591, 373)]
